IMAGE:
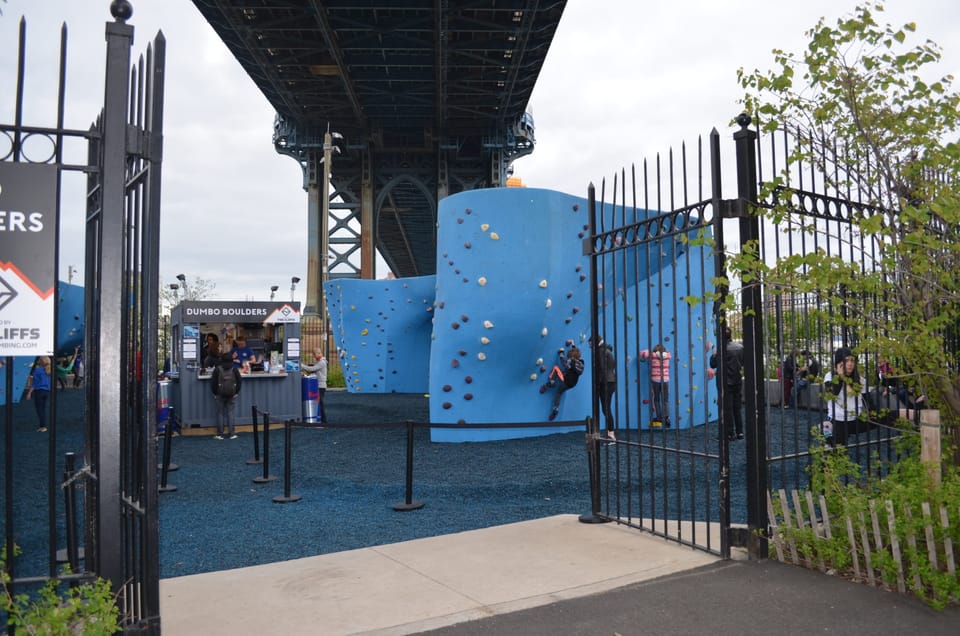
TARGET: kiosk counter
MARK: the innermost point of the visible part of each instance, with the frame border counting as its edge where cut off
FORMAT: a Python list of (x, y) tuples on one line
[(268, 356)]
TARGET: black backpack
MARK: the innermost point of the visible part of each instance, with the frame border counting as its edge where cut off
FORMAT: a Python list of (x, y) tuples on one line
[(572, 375), (226, 382)]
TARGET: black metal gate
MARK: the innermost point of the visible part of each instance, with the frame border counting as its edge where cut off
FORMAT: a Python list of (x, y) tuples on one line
[(118, 478), (659, 250)]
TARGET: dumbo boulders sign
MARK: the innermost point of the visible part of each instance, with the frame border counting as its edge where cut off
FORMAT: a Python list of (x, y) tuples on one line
[(28, 245)]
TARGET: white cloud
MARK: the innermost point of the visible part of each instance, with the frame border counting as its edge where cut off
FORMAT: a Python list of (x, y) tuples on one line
[(623, 81)]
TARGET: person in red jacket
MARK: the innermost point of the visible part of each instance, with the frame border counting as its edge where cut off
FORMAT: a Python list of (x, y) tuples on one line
[(659, 383)]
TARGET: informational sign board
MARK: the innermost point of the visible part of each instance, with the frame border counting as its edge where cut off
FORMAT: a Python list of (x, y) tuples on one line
[(28, 245)]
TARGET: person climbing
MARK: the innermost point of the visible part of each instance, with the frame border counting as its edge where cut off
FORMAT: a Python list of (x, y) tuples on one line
[(566, 374)]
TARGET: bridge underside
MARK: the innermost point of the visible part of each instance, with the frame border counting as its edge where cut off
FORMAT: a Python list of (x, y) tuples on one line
[(429, 96)]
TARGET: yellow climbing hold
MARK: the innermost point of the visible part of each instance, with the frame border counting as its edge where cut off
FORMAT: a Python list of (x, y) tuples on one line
[(364, 332), (485, 226), (494, 236)]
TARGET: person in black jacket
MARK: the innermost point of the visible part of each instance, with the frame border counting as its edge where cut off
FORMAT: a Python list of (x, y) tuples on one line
[(225, 392), (605, 382), (730, 382)]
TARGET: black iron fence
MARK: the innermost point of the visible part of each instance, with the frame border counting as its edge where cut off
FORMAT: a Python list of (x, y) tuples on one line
[(117, 482), (660, 243)]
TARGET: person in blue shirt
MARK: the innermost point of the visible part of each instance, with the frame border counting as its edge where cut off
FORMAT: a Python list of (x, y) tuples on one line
[(243, 355), (38, 388), (567, 373)]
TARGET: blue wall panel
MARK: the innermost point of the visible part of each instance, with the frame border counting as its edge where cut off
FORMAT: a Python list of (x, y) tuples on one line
[(382, 330)]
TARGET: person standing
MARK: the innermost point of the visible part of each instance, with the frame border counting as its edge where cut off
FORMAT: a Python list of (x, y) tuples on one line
[(843, 389), (38, 388), (64, 367), (788, 373), (605, 382), (730, 382), (78, 369), (243, 355), (319, 369), (659, 382), (225, 385)]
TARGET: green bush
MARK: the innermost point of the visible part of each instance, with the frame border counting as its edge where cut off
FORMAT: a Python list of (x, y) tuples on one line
[(848, 492), (88, 609)]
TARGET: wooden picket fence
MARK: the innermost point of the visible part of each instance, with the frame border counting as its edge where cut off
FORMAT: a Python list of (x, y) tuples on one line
[(869, 535)]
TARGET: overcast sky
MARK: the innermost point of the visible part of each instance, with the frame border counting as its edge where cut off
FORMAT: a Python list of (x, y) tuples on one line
[(623, 80)]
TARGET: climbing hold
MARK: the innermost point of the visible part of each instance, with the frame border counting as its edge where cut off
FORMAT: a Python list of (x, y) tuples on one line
[(481, 356), (494, 236), (462, 353), (464, 318), (454, 363), (576, 206), (468, 396), (569, 295), (484, 227), (485, 340), (582, 278), (548, 303), (539, 361), (455, 325), (364, 332), (447, 388), (447, 405), (468, 210), (468, 379), (459, 219), (487, 324), (576, 310), (482, 281), (543, 332), (533, 377), (467, 245), (543, 283)]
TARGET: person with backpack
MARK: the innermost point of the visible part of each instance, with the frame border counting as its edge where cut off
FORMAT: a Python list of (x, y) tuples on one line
[(566, 373), (225, 385)]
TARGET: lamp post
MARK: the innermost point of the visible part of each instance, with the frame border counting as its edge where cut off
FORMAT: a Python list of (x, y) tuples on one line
[(273, 290), (175, 288), (183, 284), (293, 286)]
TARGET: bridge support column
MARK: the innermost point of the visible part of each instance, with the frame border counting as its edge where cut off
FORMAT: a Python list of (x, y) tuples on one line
[(311, 323), (368, 245)]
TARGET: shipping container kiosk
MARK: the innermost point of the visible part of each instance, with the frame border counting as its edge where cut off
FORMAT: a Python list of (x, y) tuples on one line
[(272, 330)]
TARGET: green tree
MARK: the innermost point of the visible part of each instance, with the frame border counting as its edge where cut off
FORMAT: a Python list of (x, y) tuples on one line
[(199, 289), (868, 91)]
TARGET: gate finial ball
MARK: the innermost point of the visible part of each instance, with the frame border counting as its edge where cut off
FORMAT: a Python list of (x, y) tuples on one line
[(121, 10), (743, 120)]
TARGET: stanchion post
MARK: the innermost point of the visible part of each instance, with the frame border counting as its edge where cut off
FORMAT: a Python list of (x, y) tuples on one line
[(165, 464), (287, 497), (267, 477), (256, 440), (70, 506), (408, 503), (593, 466), (167, 435)]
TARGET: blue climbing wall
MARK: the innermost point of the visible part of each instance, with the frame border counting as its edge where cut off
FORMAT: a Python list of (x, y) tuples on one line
[(512, 286), (382, 331)]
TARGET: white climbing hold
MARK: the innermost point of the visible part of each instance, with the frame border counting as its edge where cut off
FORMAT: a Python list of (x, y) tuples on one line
[(481, 356), (549, 303), (543, 283), (543, 332), (533, 377), (487, 324), (482, 281), (494, 236), (484, 226), (539, 361), (484, 340)]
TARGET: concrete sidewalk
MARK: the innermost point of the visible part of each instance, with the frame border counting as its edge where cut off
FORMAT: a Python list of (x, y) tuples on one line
[(407, 588)]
